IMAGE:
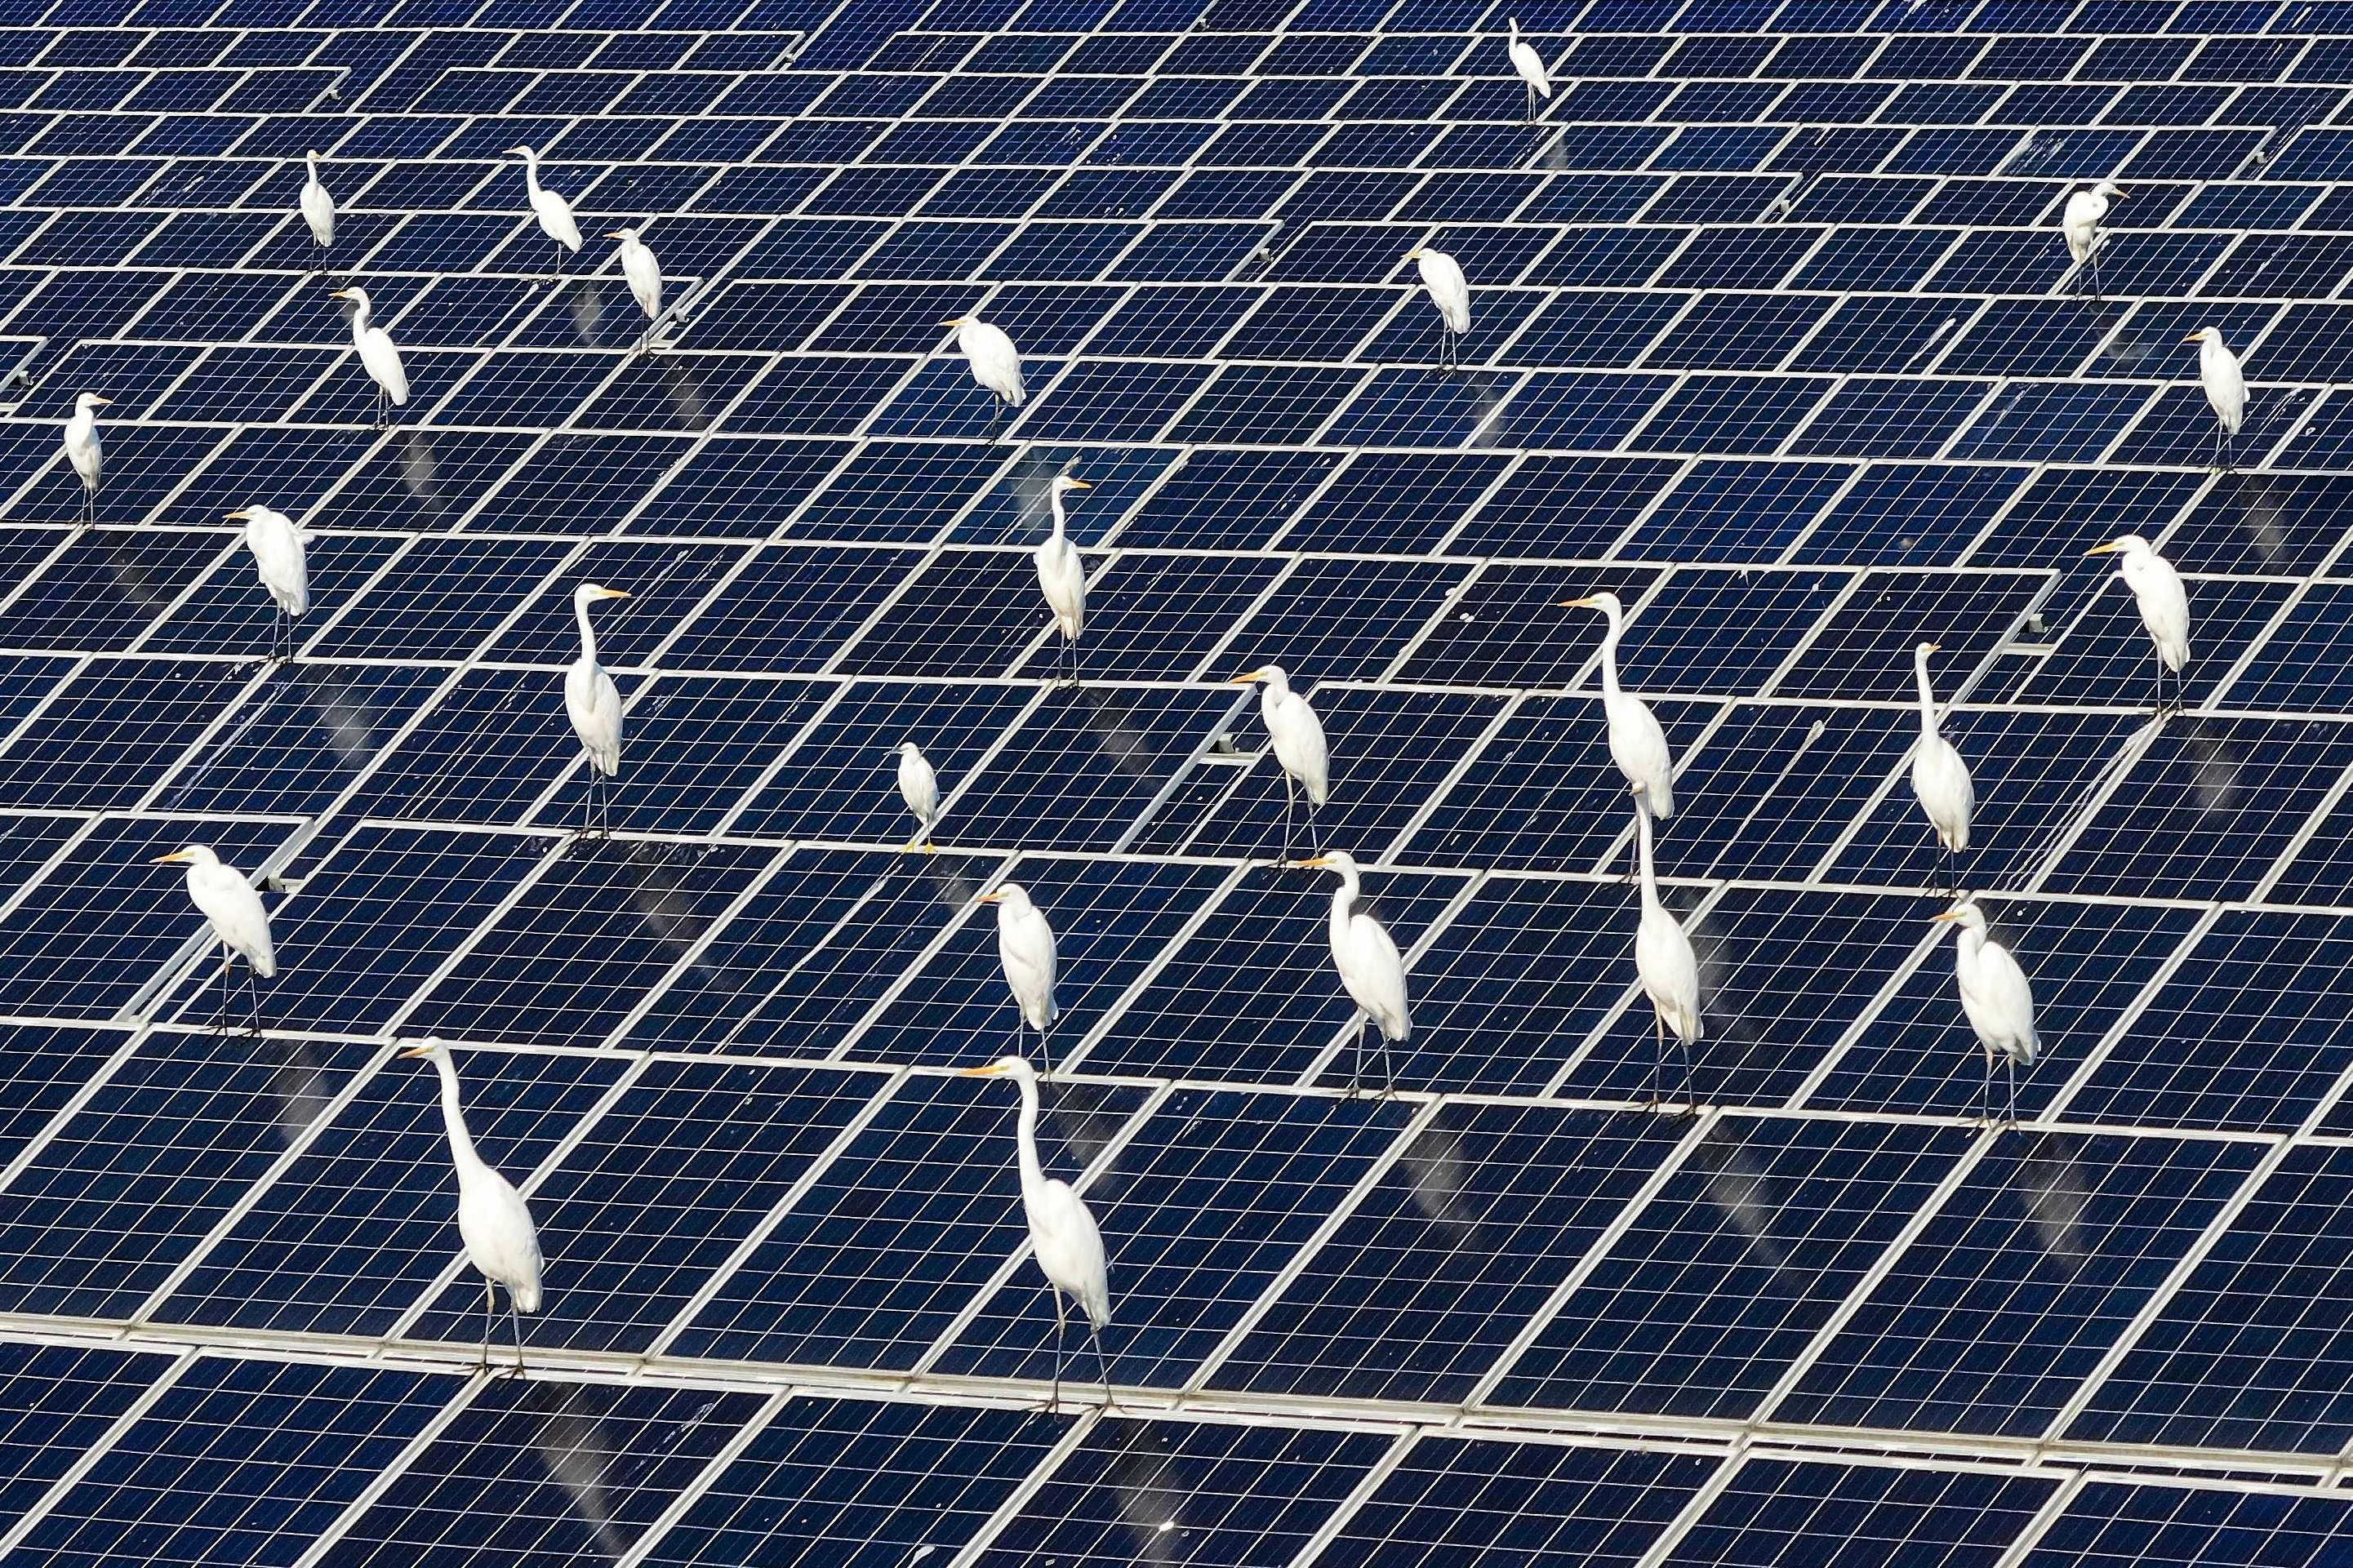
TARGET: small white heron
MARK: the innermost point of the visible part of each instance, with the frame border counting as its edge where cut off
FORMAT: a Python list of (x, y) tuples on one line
[(1530, 65), (2164, 606), (996, 363), (1442, 278), (318, 205), (553, 213), (378, 355), (919, 787), (82, 450), (1637, 745), (1940, 779), (276, 545), (1063, 1236), (1997, 998), (594, 704), (2226, 390), (2081, 221), (1025, 946), (643, 269), (224, 897), (1299, 743), (1367, 957), (1061, 574), (494, 1221), (1668, 968)]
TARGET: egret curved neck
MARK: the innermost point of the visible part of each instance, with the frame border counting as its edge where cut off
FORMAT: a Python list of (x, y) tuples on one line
[(1642, 838), (1344, 903), (453, 1116), (530, 176), (1927, 698), (1033, 1174), (1062, 523), (587, 632), (1610, 655)]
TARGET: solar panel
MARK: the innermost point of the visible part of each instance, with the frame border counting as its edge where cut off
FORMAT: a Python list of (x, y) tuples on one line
[(1775, 335)]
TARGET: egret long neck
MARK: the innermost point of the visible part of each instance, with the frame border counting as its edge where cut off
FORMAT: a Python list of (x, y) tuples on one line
[(1344, 905), (530, 176), (1642, 837), (453, 1116), (1033, 1174), (1927, 696), (1061, 524), (587, 632), (1610, 655)]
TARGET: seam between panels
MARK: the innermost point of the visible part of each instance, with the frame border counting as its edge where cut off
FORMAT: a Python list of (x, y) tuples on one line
[(616, 1038), (461, 1400), (2135, 1007), (1910, 965), (1375, 1476), (484, 925), (696, 1489), (968, 914), (2054, 1509), (1342, 1212), (1629, 998), (1717, 1482), (1116, 1011), (1328, 1056), (1507, 708), (1031, 1485), (47, 1133), (1239, 704), (167, 1377)]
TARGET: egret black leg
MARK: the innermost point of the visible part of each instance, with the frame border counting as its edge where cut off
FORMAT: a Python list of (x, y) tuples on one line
[(1356, 1059), (1657, 1058), (253, 993), (1054, 1401), (1288, 852), (2012, 1069), (1102, 1365), (516, 1318), (1986, 1091), (220, 1015), (490, 1308)]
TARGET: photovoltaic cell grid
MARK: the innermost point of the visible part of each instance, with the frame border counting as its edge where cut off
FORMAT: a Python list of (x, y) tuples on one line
[(1774, 335)]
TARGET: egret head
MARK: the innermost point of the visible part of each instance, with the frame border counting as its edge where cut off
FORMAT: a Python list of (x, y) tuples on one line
[(194, 855), (2206, 335), (1607, 603), (624, 235), (525, 154), (962, 321), (2122, 544), (90, 401), (1273, 675), (1417, 253), (1016, 1067), (424, 1051), (588, 594), (1012, 895), (2110, 189), (356, 296), (1926, 649), (1335, 860), (1964, 914), (311, 158), (1064, 484), (908, 749)]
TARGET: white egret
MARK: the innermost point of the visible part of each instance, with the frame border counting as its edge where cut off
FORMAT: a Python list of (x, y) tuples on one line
[(1061, 574), (494, 1221), (1940, 778), (1299, 743), (643, 269), (318, 205), (2080, 222), (378, 355), (2164, 606), (224, 897), (1997, 998), (2226, 390), (276, 545), (1669, 969), (1063, 1236), (594, 704), (1025, 946), (1442, 278), (919, 787), (1637, 745), (82, 450), (553, 213), (1370, 969), (996, 363), (1530, 65)]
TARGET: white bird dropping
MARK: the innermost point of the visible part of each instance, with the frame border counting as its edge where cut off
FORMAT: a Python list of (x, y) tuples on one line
[(919, 787), (1063, 1236), (1367, 957), (1063, 576), (643, 270), (1940, 779), (318, 205), (224, 897), (1025, 945), (494, 1221), (1530, 65), (1442, 280), (278, 559), (82, 450), (2081, 221), (1996, 997), (996, 363), (2226, 390), (2164, 606), (1299, 745)]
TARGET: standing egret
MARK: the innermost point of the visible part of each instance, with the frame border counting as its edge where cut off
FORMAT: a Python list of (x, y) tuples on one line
[(1669, 970), (1299, 745), (492, 1219), (1637, 745), (2164, 606), (643, 270), (1441, 276), (1025, 946), (82, 450), (1063, 1235), (996, 363), (1997, 998), (318, 206), (1370, 969), (1940, 778), (224, 897), (276, 548), (553, 213), (2085, 213), (1061, 574), (1530, 65), (594, 704), (919, 787), (2226, 389), (378, 355)]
